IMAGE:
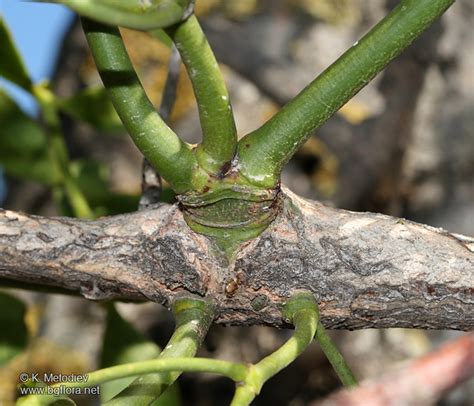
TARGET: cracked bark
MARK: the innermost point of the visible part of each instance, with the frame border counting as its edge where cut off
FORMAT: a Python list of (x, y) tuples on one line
[(367, 270)]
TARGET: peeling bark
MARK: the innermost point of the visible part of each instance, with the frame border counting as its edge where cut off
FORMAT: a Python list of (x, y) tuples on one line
[(366, 270)]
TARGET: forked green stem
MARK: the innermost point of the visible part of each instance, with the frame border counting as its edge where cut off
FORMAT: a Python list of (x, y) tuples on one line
[(232, 370), (193, 318), (264, 152), (163, 366), (302, 312), (172, 157), (215, 112), (335, 357)]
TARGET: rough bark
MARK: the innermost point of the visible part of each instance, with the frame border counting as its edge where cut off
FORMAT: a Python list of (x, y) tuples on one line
[(366, 270)]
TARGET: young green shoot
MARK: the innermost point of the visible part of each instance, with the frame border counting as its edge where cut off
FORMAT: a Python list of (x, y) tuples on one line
[(300, 310), (172, 157), (193, 318), (264, 152), (335, 358), (215, 112)]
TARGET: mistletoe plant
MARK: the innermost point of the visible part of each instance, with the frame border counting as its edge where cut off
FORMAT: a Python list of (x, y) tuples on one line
[(228, 189)]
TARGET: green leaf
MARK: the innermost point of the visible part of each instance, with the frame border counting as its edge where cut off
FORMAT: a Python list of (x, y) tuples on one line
[(118, 203), (136, 14), (122, 344), (19, 132), (62, 202), (12, 66), (13, 334), (170, 397), (162, 36), (37, 170), (93, 106), (92, 179), (45, 400), (23, 145)]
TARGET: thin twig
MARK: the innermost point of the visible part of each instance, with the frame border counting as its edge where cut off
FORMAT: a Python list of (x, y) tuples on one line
[(171, 86), (335, 357), (421, 382), (151, 181)]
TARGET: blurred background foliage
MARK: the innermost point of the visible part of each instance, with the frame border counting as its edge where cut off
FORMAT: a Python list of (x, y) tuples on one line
[(403, 146)]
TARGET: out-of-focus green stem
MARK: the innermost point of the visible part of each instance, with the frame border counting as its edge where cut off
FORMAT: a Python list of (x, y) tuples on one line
[(335, 358), (217, 121), (301, 310), (172, 157), (136, 14), (235, 371), (264, 152), (58, 153), (193, 318), (77, 199), (232, 370)]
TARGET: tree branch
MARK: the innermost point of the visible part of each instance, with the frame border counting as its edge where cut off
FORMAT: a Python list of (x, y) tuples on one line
[(366, 270)]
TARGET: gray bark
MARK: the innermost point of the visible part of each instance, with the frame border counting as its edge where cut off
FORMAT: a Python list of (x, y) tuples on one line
[(367, 270)]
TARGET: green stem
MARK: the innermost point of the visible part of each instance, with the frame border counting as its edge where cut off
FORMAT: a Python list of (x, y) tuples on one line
[(301, 310), (217, 121), (136, 14), (172, 157), (264, 152), (232, 370), (193, 318), (335, 357), (77, 199), (58, 153)]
